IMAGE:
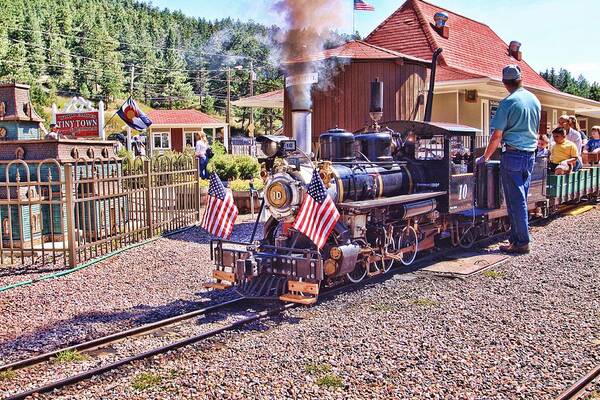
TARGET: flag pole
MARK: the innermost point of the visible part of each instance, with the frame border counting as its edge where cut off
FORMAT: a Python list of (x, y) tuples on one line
[(353, 17)]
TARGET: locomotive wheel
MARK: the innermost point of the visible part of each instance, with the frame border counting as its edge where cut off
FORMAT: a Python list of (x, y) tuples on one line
[(359, 272), (468, 238), (406, 239), (389, 247)]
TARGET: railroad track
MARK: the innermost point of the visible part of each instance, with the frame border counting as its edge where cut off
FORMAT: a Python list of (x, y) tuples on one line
[(141, 331), (147, 329), (576, 390)]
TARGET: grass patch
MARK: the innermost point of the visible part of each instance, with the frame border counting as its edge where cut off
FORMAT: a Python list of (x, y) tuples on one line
[(490, 273), (70, 356), (384, 307), (595, 395), (7, 375), (146, 380), (425, 302), (330, 381), (315, 369)]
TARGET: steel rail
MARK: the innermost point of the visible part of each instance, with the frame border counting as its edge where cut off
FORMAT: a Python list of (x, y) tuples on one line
[(573, 392), (109, 339), (159, 350), (197, 338)]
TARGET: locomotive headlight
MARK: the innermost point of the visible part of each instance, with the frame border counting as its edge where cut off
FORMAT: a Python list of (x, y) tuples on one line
[(283, 194), (278, 194)]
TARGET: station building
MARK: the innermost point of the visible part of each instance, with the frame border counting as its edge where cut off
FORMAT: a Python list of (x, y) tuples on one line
[(468, 85), (468, 80)]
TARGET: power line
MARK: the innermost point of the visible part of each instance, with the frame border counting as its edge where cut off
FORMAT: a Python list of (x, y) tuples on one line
[(133, 46)]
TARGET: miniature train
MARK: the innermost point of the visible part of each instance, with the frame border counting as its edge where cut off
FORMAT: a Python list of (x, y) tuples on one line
[(401, 189)]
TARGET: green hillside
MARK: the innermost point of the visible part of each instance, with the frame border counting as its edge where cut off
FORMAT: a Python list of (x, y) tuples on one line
[(89, 47)]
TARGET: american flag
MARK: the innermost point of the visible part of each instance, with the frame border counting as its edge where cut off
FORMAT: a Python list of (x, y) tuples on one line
[(221, 211), (362, 5), (318, 214)]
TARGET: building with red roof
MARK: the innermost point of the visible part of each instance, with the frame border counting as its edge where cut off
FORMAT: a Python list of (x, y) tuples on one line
[(176, 129), (468, 81)]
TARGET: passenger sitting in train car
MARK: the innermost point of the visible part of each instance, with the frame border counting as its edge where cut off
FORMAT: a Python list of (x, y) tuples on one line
[(542, 146), (564, 155), (593, 145)]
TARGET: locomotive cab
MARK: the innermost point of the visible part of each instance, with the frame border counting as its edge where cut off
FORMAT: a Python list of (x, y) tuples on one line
[(440, 156)]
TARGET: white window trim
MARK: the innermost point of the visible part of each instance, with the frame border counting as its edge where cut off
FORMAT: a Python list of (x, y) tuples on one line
[(160, 134)]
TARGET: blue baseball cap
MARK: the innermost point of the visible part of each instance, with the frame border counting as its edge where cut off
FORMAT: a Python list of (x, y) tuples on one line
[(511, 73)]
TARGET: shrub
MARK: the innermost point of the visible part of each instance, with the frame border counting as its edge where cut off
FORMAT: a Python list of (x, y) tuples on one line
[(224, 166), (240, 184), (247, 167), (218, 148)]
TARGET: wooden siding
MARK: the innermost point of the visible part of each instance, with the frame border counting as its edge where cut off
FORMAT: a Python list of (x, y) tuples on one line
[(346, 103)]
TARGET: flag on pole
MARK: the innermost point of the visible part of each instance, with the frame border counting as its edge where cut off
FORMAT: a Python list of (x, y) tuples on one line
[(221, 211), (133, 116), (318, 213), (361, 5)]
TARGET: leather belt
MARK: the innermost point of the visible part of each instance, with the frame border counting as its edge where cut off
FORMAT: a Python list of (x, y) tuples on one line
[(506, 147)]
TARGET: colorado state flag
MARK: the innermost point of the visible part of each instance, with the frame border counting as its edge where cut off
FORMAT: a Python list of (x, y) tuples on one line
[(131, 114)]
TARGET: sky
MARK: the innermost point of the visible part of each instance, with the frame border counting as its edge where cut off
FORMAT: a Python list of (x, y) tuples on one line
[(553, 33)]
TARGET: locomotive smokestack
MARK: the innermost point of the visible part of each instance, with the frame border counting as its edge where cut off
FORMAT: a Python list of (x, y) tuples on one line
[(376, 108), (309, 25)]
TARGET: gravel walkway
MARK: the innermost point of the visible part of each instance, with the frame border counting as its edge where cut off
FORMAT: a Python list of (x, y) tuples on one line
[(156, 280), (525, 331)]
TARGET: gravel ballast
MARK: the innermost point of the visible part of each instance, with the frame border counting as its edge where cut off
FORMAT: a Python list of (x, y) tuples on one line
[(525, 332), (150, 282)]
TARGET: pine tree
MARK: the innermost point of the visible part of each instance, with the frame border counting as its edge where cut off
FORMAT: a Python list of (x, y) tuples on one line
[(177, 91), (35, 48), (595, 91)]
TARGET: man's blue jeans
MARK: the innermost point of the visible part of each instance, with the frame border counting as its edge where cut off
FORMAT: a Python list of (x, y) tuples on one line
[(516, 168)]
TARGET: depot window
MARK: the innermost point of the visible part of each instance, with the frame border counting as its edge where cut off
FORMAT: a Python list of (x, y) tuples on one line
[(162, 140), (190, 138)]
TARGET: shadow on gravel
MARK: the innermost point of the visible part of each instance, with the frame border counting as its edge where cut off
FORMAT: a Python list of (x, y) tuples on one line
[(241, 232), (90, 326), (20, 269)]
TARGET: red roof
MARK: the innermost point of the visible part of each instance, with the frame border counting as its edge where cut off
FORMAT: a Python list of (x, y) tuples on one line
[(472, 50), (181, 117), (357, 50)]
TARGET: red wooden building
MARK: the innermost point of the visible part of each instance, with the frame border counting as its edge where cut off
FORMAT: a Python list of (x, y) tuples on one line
[(176, 129), (345, 102)]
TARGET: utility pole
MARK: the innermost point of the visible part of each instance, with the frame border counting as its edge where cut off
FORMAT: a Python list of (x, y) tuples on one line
[(251, 119), (228, 117), (226, 140), (130, 94)]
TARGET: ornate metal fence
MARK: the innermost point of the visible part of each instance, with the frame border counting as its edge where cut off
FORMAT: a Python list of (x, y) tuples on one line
[(54, 213)]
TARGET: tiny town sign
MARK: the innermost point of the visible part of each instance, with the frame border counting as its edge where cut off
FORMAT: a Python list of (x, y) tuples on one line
[(78, 124), (79, 118)]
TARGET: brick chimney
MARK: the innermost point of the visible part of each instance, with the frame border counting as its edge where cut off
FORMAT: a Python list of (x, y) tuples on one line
[(15, 104), (514, 50), (440, 19)]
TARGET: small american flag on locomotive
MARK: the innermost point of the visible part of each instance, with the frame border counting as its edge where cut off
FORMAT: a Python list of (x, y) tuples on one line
[(362, 5), (318, 214), (221, 211)]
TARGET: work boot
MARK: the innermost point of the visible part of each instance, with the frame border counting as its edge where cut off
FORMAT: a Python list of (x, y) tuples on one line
[(512, 249)]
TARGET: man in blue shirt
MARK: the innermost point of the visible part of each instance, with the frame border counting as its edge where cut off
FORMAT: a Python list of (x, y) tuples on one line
[(516, 127)]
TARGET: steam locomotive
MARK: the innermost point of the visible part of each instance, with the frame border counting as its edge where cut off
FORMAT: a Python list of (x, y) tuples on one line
[(402, 188)]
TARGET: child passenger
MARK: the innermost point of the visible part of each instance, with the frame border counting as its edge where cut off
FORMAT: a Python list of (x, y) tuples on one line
[(542, 146), (564, 156), (593, 145)]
